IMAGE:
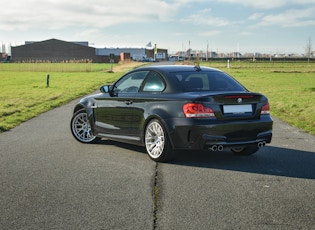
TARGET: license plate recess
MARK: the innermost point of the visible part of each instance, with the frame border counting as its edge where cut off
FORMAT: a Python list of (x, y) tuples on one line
[(237, 109)]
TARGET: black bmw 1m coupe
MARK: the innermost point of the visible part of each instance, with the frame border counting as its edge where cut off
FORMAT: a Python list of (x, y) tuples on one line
[(173, 107)]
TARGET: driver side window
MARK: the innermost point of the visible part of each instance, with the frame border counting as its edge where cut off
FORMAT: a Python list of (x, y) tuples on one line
[(131, 82)]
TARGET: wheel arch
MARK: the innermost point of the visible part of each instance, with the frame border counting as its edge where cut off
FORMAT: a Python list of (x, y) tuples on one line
[(78, 107)]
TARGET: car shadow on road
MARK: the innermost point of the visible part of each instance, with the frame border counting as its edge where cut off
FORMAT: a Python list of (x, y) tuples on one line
[(269, 160), (122, 145)]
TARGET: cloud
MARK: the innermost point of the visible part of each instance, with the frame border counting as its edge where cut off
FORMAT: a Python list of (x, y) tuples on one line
[(290, 18), (88, 32), (256, 16), (259, 4), (203, 17), (245, 33), (267, 4), (212, 33), (20, 14)]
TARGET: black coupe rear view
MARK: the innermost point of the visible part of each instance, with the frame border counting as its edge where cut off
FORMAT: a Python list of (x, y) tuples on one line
[(173, 107)]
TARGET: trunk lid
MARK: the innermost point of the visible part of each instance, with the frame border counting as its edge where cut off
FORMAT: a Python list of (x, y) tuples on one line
[(235, 106)]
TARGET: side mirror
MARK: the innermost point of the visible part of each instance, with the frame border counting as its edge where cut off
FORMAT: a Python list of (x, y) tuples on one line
[(108, 89), (105, 89)]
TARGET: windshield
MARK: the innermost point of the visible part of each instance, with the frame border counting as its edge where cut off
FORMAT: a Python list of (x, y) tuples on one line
[(207, 81)]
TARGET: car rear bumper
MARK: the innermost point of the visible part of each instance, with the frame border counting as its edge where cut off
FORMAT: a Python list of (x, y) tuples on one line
[(200, 134), (261, 138)]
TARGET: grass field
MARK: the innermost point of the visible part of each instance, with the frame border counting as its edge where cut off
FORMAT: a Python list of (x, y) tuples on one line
[(290, 87), (24, 93)]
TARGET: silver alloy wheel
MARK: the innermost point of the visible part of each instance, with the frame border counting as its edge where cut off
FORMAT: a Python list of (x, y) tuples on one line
[(81, 128), (154, 139)]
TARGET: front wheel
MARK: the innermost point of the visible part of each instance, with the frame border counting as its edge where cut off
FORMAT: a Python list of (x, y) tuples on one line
[(81, 128), (245, 150), (157, 142)]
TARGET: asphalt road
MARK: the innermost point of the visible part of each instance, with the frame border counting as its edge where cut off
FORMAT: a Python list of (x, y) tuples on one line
[(50, 181)]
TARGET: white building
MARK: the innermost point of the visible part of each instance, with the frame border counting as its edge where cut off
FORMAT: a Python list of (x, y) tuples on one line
[(137, 54)]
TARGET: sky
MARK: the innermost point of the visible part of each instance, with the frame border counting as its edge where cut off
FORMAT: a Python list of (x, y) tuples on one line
[(245, 26)]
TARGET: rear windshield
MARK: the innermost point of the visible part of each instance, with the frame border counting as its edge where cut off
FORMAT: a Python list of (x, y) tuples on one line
[(207, 81)]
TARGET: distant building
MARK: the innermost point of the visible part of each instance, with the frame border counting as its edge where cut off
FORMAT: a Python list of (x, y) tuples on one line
[(136, 54), (52, 50), (157, 54), (4, 57)]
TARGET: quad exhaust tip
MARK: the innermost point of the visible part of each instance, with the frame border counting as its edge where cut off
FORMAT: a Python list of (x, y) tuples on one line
[(220, 148), (216, 148)]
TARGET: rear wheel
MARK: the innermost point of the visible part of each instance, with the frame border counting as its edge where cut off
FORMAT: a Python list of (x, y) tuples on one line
[(245, 150), (81, 128), (157, 142)]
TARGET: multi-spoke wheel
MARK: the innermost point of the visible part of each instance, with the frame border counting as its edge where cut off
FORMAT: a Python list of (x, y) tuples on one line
[(81, 128), (156, 142)]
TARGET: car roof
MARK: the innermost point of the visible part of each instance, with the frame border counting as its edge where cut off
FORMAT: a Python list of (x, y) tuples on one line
[(167, 70), (177, 68)]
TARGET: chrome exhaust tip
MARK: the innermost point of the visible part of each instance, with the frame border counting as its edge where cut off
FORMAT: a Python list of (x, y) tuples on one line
[(220, 148), (261, 144), (215, 148)]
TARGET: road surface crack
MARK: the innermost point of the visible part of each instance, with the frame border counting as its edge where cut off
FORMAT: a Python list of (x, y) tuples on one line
[(155, 197)]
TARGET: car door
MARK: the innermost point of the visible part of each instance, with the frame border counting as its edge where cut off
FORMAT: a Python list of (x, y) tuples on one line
[(114, 111), (148, 100)]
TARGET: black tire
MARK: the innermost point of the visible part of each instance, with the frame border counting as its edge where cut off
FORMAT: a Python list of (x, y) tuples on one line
[(245, 150), (157, 142), (81, 128)]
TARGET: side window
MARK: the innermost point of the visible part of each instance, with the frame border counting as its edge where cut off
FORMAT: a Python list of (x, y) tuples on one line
[(131, 82), (153, 83)]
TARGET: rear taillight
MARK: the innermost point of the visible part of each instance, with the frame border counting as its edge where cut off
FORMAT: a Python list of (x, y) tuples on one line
[(265, 109), (197, 110)]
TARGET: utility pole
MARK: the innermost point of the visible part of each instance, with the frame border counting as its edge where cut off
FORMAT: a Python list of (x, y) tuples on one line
[(189, 50), (207, 51), (308, 49)]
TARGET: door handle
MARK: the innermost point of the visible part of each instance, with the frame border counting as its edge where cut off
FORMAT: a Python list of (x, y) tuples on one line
[(129, 102)]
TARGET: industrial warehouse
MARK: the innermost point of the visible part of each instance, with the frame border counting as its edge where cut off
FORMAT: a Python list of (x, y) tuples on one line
[(54, 50)]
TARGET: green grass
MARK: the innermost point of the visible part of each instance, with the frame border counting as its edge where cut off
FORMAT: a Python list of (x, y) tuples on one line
[(290, 87), (24, 93), (53, 67)]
